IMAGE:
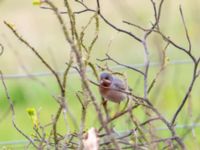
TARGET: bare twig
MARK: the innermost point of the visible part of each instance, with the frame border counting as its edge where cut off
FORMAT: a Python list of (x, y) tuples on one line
[(80, 54), (163, 66), (1, 49), (36, 53), (119, 114), (186, 95), (108, 58), (13, 113), (135, 25), (195, 72), (186, 30)]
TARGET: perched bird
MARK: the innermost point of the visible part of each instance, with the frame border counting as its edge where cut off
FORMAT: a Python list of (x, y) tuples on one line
[(111, 88)]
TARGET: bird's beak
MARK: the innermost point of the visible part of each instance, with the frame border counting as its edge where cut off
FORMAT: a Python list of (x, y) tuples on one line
[(105, 82)]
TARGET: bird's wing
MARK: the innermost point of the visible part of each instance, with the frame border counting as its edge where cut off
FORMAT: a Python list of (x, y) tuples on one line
[(118, 84)]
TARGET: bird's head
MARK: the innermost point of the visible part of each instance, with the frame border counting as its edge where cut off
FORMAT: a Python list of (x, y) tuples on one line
[(106, 79)]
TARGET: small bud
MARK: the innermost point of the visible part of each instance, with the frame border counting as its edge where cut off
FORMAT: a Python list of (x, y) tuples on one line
[(37, 2), (166, 61), (131, 141), (33, 115)]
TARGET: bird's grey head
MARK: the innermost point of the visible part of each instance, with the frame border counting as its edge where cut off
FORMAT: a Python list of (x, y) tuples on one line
[(106, 76)]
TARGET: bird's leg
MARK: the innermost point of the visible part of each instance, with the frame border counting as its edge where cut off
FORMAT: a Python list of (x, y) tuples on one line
[(126, 104), (104, 103), (117, 109)]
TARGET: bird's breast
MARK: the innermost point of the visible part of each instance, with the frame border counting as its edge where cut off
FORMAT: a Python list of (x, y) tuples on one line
[(112, 94)]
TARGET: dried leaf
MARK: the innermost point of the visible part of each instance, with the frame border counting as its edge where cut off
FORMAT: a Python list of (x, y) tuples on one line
[(91, 140)]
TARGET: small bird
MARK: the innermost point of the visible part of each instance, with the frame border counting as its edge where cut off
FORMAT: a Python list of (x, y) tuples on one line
[(112, 88)]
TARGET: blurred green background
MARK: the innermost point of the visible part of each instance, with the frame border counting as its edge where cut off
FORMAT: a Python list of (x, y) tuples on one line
[(41, 29)]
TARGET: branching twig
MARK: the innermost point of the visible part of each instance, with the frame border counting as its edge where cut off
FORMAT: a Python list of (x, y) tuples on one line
[(36, 53), (80, 54), (13, 113), (195, 72), (186, 95), (108, 58), (163, 66)]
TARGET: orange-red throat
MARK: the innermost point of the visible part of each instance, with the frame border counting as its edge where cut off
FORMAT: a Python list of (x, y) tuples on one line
[(105, 83)]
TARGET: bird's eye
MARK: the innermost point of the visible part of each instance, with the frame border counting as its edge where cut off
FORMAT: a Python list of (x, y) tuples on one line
[(107, 78)]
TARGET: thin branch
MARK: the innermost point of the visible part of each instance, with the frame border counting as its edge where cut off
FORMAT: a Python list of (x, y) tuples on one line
[(186, 30), (149, 143), (120, 64), (106, 21), (13, 112), (47, 65), (66, 73), (135, 25), (36, 53), (119, 114), (195, 72), (1, 49), (169, 126), (146, 64), (186, 95), (157, 16), (163, 66), (66, 34), (155, 9), (119, 29), (64, 12), (176, 45)]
